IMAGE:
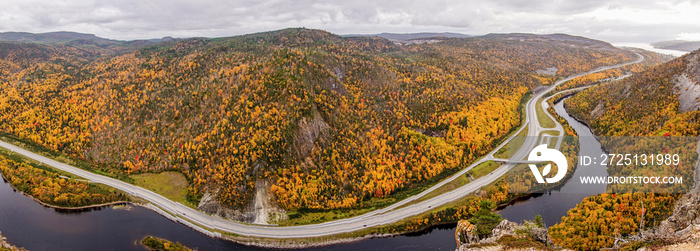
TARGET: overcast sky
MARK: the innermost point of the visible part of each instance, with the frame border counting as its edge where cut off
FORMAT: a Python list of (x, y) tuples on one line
[(609, 20)]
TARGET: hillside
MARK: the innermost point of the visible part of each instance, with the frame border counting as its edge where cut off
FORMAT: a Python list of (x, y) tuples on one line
[(411, 36), (660, 101), (50, 37), (678, 45), (670, 101), (83, 41), (319, 120)]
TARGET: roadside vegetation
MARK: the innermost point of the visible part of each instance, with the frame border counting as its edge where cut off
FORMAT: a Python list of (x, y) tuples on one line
[(542, 117), (52, 187), (513, 145), (172, 185)]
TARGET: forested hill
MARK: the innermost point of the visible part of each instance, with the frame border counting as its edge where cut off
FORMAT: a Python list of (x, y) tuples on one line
[(663, 100), (329, 122)]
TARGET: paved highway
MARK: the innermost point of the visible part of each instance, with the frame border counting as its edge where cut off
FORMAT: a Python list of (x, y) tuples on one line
[(390, 214)]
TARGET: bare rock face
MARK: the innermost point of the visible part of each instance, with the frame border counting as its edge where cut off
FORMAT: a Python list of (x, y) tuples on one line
[(263, 211), (685, 217), (688, 92), (209, 204), (266, 209), (503, 228), (599, 110), (687, 85), (541, 235), (310, 130), (686, 214), (465, 233)]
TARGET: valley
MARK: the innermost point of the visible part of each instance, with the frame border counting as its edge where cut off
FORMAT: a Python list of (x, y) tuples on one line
[(386, 215)]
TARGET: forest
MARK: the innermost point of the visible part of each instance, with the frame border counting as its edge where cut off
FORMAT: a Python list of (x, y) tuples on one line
[(645, 104), (50, 187), (331, 122)]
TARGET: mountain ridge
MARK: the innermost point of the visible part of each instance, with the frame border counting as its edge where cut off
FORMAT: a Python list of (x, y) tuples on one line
[(680, 45), (411, 36)]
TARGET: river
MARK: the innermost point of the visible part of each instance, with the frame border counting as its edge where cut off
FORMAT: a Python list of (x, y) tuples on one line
[(555, 203), (28, 224)]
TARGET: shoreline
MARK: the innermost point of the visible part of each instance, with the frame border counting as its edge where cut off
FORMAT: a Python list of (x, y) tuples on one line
[(66, 209), (243, 240)]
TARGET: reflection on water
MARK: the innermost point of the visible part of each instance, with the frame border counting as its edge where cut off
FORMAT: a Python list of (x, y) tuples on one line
[(28, 224)]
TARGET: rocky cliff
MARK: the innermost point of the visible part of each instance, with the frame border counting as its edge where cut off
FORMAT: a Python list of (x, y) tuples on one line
[(506, 235)]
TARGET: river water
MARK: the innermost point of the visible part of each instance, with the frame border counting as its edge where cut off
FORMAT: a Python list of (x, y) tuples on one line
[(554, 204), (28, 224)]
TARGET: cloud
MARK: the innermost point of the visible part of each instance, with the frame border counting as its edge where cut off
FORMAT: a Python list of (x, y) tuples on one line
[(616, 20)]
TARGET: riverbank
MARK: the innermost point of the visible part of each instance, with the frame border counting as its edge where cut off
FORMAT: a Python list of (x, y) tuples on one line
[(52, 189)]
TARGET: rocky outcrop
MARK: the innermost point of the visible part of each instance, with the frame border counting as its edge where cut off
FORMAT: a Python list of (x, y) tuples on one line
[(551, 71), (310, 131), (209, 204), (688, 92), (685, 218), (465, 233), (4, 245), (263, 211), (265, 208), (503, 228), (687, 85)]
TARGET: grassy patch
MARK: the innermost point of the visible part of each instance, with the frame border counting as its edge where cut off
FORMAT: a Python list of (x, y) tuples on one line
[(550, 132), (542, 117), (483, 169), (513, 145), (311, 216), (172, 185), (553, 141), (305, 218)]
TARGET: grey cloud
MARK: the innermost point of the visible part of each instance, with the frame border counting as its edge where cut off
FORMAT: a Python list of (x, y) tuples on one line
[(132, 19)]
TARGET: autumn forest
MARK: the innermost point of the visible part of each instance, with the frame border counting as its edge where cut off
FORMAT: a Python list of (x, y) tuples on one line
[(331, 122)]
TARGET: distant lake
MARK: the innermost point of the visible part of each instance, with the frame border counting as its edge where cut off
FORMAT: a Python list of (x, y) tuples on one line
[(649, 47)]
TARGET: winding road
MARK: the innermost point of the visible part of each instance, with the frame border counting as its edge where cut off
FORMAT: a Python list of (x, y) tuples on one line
[(391, 214)]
